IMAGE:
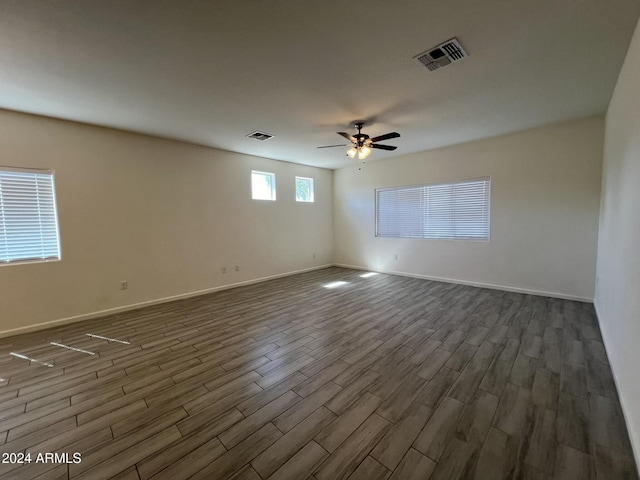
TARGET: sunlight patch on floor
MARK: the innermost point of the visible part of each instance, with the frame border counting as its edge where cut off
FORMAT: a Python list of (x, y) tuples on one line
[(368, 274), (338, 283)]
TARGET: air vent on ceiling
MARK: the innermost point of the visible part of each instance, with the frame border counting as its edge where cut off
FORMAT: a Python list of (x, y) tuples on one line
[(260, 135), (442, 55)]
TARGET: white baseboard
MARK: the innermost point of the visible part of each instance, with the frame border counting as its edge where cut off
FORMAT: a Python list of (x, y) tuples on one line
[(635, 442), (133, 306), (492, 286)]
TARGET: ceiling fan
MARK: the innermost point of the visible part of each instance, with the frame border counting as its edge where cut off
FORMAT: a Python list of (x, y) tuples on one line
[(361, 144)]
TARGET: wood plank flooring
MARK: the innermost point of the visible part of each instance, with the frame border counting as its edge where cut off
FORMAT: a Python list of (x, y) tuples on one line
[(380, 377)]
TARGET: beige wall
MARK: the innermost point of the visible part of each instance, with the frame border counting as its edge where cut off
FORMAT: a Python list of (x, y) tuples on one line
[(618, 290), (545, 196), (163, 215)]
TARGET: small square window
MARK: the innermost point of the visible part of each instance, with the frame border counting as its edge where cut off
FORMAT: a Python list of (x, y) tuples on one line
[(263, 185), (304, 189)]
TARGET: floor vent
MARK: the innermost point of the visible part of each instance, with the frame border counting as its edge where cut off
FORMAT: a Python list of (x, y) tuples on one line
[(260, 135), (442, 55)]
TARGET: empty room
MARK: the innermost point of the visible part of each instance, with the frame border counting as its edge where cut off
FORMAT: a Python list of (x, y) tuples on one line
[(319, 240)]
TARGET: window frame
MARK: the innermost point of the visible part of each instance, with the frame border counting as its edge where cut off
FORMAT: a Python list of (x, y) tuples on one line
[(52, 214), (423, 236), (311, 189), (273, 187)]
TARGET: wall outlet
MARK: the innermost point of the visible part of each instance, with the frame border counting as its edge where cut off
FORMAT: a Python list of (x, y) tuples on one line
[(314, 256), (124, 285), (224, 269), (395, 257), (237, 268)]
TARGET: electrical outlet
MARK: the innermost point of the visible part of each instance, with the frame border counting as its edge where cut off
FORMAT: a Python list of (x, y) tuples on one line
[(395, 257), (314, 256), (224, 269), (124, 285), (237, 268)]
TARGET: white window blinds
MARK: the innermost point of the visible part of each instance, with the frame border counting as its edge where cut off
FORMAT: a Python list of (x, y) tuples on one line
[(28, 220), (457, 210)]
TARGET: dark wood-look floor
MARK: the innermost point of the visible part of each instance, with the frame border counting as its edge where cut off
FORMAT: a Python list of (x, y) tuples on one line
[(380, 377)]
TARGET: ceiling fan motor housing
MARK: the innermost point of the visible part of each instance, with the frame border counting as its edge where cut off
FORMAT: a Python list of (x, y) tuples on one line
[(361, 138)]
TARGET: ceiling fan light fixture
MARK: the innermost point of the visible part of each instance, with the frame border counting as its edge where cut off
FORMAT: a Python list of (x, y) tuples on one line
[(352, 152), (364, 152)]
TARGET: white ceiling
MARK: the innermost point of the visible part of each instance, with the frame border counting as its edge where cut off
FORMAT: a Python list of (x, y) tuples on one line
[(212, 72)]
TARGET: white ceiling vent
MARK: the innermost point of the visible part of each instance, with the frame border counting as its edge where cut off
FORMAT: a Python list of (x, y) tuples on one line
[(260, 135), (442, 55)]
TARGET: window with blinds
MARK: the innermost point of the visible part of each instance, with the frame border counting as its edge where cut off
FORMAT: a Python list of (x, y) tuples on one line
[(458, 210), (28, 219)]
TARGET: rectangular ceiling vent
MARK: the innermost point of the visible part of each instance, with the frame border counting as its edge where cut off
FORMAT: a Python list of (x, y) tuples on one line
[(260, 135), (442, 55)]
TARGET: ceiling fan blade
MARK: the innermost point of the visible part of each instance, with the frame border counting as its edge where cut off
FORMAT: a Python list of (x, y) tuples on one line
[(386, 136), (383, 147), (347, 136), (331, 146)]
